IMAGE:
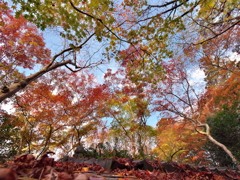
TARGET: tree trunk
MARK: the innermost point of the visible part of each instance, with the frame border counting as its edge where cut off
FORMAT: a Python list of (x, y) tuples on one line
[(207, 133), (234, 160), (14, 88)]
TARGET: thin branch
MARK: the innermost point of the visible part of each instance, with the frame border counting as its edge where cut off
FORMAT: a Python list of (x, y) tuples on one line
[(177, 112), (127, 134), (190, 10), (160, 6), (176, 153), (164, 12), (220, 22), (188, 95), (204, 26), (69, 49), (179, 98), (99, 20), (219, 33)]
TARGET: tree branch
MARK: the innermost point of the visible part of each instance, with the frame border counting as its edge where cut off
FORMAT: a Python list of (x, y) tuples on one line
[(7, 92), (216, 35), (208, 134), (99, 20)]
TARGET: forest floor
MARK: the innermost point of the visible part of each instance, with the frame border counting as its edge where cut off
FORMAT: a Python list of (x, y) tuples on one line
[(26, 167)]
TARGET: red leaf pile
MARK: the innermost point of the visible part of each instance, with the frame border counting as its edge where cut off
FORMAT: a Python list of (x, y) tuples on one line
[(47, 169)]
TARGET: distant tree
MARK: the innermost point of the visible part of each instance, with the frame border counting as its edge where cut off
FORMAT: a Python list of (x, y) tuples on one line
[(9, 138), (225, 129), (178, 96), (55, 116), (178, 142), (129, 110)]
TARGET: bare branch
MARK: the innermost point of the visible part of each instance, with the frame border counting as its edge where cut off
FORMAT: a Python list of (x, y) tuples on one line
[(160, 6), (69, 49), (164, 12), (219, 33)]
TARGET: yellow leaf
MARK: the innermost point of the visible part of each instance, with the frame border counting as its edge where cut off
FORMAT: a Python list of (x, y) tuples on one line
[(34, 43), (11, 43)]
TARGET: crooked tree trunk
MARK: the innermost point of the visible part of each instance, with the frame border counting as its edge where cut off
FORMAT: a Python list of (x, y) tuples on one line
[(208, 134)]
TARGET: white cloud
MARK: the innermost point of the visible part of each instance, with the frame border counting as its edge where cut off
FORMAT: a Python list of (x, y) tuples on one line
[(234, 56), (8, 107), (198, 74)]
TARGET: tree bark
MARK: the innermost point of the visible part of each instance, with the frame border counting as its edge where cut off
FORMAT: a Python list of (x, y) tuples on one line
[(223, 147), (208, 134), (7, 92), (15, 87)]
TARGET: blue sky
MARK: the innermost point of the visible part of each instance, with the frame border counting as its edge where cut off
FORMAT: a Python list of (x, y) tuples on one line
[(56, 44)]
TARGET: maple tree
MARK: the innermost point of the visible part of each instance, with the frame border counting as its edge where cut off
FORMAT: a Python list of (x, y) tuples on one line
[(178, 142), (129, 22), (222, 72), (28, 52), (21, 46), (51, 119), (219, 60), (176, 81), (128, 108), (143, 38), (177, 96)]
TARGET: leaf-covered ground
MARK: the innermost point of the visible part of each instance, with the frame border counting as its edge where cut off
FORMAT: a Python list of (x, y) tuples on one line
[(27, 167)]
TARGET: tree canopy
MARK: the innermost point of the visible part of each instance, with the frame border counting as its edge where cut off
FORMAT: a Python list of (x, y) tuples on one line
[(157, 46)]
